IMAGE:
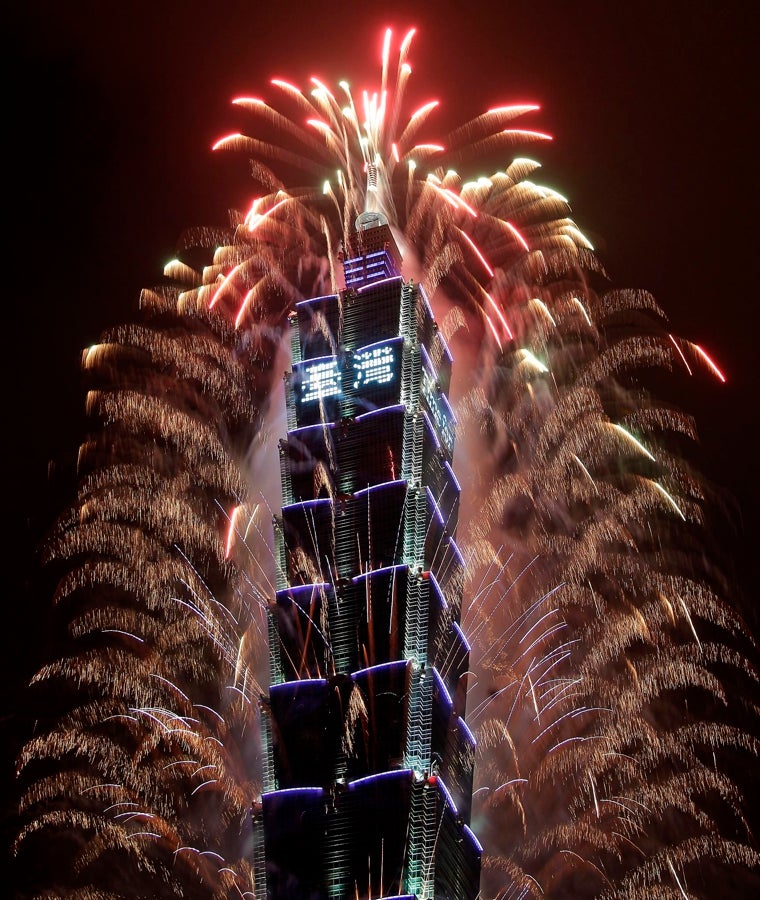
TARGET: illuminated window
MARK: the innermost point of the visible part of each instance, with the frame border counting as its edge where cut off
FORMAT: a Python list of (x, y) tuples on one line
[(439, 409), (320, 379), (374, 365)]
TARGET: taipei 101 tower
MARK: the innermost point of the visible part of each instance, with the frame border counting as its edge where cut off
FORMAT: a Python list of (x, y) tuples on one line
[(368, 760)]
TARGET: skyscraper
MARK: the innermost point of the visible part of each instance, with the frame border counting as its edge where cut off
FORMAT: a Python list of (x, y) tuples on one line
[(616, 753), (368, 778)]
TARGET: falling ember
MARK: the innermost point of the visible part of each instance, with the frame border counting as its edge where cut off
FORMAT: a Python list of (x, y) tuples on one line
[(510, 227), (582, 308), (608, 663), (231, 531), (524, 133), (248, 101), (512, 108), (224, 285), (533, 361), (629, 437), (497, 309), (424, 110), (670, 499), (460, 203), (674, 342), (494, 332), (286, 86), (477, 252), (227, 140), (542, 307), (713, 368)]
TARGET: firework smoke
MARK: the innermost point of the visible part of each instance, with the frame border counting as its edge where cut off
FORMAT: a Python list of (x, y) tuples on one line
[(613, 676)]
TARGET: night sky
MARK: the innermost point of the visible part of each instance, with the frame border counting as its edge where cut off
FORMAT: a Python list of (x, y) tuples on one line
[(110, 114)]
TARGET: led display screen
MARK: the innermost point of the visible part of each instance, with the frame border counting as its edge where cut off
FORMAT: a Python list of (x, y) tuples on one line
[(439, 409), (319, 378), (374, 365), (335, 386)]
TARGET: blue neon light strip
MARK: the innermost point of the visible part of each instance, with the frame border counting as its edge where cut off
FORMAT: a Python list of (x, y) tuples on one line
[(379, 776), (288, 685), (445, 400), (317, 299), (457, 551), (437, 591), (461, 634), (296, 790), (447, 796), (394, 663), (471, 835), (466, 728), (361, 267), (450, 703), (357, 578), (436, 508), (307, 503), (377, 487), (294, 432), (374, 284), (304, 504), (358, 260), (443, 688), (389, 341), (431, 430), (445, 347), (304, 588), (314, 360), (447, 466), (375, 412), (427, 302)]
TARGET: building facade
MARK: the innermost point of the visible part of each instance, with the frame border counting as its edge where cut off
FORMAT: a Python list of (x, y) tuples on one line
[(368, 759)]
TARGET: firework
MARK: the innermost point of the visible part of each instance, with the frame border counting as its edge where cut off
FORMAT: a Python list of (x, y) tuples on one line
[(613, 677)]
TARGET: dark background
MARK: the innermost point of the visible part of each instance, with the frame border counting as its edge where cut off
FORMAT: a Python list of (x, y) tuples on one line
[(111, 110)]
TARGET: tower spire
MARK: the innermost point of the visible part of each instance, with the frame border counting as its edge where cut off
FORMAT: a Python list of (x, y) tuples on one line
[(372, 217)]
